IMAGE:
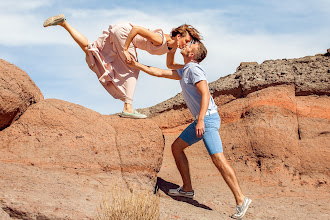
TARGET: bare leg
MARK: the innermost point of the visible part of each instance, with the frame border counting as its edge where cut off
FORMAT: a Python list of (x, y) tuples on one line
[(77, 36), (128, 108), (182, 162), (229, 175)]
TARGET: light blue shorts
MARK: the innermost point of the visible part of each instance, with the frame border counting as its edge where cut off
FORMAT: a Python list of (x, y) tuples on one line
[(211, 136)]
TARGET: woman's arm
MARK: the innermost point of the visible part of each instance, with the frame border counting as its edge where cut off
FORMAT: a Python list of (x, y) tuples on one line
[(155, 38), (170, 61)]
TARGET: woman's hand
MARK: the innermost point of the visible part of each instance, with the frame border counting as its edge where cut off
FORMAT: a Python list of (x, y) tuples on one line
[(200, 128), (128, 57)]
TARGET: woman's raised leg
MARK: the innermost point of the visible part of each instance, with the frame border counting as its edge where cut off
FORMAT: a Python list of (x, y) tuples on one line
[(76, 35), (81, 40)]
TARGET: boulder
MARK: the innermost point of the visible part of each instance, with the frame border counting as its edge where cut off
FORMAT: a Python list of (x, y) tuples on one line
[(260, 132), (313, 115), (58, 160), (17, 93)]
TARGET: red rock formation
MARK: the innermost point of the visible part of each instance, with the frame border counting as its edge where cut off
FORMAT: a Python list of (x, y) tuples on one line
[(4, 215), (59, 158), (17, 93)]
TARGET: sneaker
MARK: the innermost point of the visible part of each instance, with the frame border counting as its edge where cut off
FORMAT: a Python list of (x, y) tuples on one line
[(241, 209), (55, 20), (180, 192), (135, 114)]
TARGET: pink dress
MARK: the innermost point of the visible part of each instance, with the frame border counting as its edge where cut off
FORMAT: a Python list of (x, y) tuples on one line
[(106, 58)]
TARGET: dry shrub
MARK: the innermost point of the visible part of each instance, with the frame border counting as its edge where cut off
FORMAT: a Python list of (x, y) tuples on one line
[(127, 205)]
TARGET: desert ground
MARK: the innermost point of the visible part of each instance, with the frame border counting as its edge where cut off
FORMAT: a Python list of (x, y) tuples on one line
[(214, 200)]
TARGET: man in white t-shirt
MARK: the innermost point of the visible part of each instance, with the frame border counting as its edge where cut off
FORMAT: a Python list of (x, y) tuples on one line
[(206, 125)]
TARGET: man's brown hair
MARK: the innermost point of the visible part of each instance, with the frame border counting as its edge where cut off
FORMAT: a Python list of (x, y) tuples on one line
[(200, 53), (186, 28)]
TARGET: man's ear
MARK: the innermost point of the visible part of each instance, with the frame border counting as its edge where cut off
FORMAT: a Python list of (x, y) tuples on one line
[(191, 55)]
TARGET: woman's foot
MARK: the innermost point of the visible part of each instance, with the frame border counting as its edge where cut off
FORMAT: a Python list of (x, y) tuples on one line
[(55, 20), (130, 112)]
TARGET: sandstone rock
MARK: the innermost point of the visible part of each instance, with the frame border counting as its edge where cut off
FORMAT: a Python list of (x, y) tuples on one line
[(312, 76), (328, 52), (228, 85), (4, 215), (269, 73), (58, 159), (263, 132), (17, 93), (175, 103), (313, 113), (243, 65)]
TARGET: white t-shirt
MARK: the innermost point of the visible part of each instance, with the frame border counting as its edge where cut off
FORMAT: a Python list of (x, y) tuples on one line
[(190, 74)]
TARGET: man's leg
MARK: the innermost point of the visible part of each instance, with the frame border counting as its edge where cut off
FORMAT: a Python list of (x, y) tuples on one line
[(229, 175), (181, 161)]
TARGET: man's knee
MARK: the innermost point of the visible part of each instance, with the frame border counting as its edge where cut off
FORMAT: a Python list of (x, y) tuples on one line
[(219, 159), (178, 145), (175, 147)]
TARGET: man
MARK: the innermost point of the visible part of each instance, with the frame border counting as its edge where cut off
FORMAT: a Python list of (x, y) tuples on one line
[(206, 125)]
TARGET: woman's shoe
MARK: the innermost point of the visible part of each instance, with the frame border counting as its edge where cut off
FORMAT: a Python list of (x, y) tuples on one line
[(55, 20), (135, 114)]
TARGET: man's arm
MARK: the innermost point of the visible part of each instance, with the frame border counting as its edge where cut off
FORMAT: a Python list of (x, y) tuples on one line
[(204, 91), (170, 61), (154, 71)]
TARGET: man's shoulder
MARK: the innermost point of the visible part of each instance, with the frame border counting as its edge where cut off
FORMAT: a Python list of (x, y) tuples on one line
[(195, 68), (193, 65)]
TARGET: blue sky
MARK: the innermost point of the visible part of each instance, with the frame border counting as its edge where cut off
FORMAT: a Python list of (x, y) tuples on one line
[(234, 31)]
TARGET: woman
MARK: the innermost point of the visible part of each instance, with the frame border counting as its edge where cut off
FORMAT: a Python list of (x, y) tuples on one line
[(110, 55)]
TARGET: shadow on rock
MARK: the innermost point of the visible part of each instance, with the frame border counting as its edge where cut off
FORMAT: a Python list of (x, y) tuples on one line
[(164, 186)]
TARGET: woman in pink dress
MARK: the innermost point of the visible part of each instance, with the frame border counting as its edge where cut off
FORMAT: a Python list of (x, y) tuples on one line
[(110, 55)]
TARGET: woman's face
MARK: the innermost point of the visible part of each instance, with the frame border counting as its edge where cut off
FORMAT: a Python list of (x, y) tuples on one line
[(183, 41)]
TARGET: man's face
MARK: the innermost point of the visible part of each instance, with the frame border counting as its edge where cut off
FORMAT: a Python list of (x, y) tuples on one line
[(190, 49), (184, 41)]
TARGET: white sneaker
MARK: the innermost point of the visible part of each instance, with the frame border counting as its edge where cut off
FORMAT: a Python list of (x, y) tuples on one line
[(135, 114), (241, 210), (180, 192)]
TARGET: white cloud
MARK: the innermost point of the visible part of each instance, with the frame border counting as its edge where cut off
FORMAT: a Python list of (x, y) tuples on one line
[(22, 5)]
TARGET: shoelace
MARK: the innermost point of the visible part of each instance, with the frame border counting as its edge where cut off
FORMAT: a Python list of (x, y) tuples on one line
[(238, 209)]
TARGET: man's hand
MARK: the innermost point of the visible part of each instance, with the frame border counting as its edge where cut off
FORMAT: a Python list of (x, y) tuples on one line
[(200, 128)]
